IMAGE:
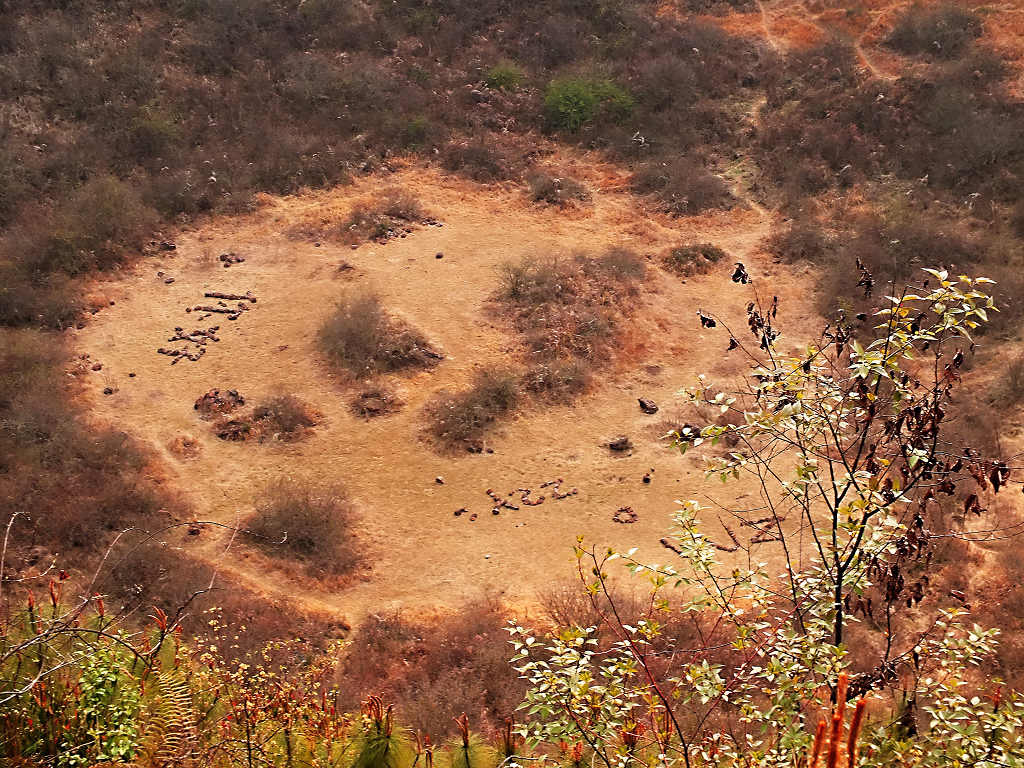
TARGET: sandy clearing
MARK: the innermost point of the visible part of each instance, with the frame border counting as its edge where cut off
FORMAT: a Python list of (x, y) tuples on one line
[(421, 555)]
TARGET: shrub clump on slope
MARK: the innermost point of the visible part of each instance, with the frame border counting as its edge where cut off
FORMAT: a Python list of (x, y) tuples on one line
[(361, 338)]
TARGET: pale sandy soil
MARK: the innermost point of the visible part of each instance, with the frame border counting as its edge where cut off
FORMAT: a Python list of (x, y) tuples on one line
[(420, 555)]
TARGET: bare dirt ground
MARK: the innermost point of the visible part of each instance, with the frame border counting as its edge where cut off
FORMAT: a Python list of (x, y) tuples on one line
[(419, 554)]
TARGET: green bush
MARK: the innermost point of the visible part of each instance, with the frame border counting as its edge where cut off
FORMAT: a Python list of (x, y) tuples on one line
[(504, 76), (573, 102)]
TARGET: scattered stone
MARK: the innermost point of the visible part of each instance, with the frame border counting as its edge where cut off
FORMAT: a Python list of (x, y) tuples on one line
[(621, 443), (247, 296), (108, 390), (647, 406), (375, 402), (472, 517), (160, 273), (230, 258), (131, 375), (625, 516), (355, 246), (215, 402), (438, 255), (461, 511), (439, 480), (235, 430), (167, 246), (168, 281), (647, 478), (97, 366)]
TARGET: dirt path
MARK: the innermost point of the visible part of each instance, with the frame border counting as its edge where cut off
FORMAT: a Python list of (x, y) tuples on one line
[(419, 554)]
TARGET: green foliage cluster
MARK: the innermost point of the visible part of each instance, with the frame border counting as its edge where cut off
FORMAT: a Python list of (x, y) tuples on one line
[(574, 102), (505, 76)]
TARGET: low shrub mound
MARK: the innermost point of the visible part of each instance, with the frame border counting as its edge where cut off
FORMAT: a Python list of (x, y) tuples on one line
[(556, 190), (375, 401), (557, 380), (361, 338), (682, 187), (282, 417), (693, 259), (505, 76), (572, 103), (387, 216), (296, 522), (217, 402), (285, 417), (944, 31), (476, 161), (801, 240), (462, 418), (569, 307)]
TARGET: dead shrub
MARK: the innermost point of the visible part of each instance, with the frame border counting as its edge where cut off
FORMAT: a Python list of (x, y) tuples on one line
[(462, 418), (311, 525), (361, 338), (434, 670), (801, 240), (558, 380), (556, 190), (476, 161), (687, 260), (682, 187), (375, 401), (569, 307), (943, 31), (92, 230), (1008, 391), (285, 417), (383, 217)]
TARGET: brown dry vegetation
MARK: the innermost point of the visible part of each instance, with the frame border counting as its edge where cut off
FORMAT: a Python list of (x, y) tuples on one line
[(122, 124), (362, 339), (310, 526)]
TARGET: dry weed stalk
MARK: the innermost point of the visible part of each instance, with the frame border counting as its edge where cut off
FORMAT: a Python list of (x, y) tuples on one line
[(836, 748)]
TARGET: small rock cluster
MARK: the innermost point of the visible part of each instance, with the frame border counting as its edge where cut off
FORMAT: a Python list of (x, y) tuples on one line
[(195, 342), (525, 498)]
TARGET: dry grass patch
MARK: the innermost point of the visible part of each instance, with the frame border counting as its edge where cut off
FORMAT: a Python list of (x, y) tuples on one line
[(557, 380), (391, 213), (682, 187), (570, 307), (360, 337), (556, 190), (687, 260), (311, 526)]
